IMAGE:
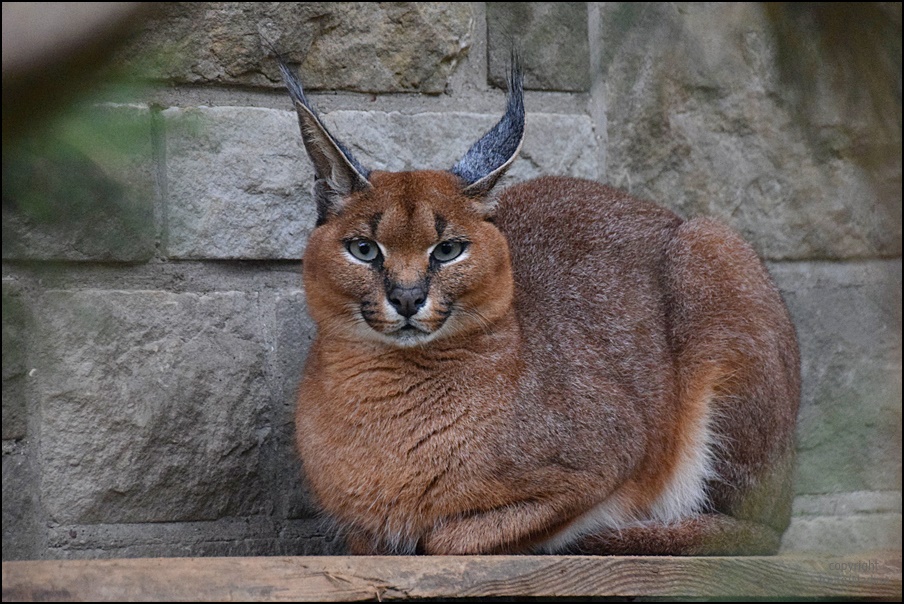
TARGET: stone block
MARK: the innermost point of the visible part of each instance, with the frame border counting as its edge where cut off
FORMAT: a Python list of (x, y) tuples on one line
[(553, 143), (848, 319), (551, 38), (239, 180), (153, 406), (845, 522), (362, 46), (843, 534), (848, 504), (15, 330), (238, 184), (83, 191), (699, 120), (295, 333), (254, 536), (21, 505)]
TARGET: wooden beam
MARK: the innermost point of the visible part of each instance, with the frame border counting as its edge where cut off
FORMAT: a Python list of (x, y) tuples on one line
[(340, 578)]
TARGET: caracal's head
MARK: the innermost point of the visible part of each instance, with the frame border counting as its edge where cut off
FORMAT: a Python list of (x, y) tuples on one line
[(407, 258)]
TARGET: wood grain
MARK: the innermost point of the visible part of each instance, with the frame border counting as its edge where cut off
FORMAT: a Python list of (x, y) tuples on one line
[(865, 575)]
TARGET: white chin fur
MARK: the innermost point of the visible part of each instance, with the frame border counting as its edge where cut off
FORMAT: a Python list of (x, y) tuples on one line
[(407, 338)]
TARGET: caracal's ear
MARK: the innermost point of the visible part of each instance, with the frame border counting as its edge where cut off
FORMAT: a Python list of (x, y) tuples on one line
[(490, 157), (337, 174)]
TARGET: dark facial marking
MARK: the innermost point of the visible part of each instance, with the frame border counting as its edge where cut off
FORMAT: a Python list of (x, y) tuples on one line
[(374, 222), (440, 223)]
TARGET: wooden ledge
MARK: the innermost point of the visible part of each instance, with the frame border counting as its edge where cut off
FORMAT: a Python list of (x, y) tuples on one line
[(339, 578)]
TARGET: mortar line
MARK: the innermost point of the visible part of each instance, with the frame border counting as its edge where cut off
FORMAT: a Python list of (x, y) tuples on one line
[(161, 190), (598, 88)]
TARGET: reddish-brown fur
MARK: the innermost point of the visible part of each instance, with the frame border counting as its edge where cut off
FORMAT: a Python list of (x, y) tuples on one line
[(596, 345)]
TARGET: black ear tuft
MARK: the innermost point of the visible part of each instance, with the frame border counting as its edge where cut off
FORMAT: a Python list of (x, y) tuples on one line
[(337, 173), (488, 159)]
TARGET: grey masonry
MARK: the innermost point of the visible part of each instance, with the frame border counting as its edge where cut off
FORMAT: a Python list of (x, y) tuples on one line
[(154, 326)]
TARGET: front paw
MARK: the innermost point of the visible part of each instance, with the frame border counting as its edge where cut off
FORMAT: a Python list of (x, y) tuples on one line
[(444, 541)]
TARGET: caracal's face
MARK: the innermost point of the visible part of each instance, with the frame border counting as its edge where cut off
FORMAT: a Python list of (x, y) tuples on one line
[(407, 262)]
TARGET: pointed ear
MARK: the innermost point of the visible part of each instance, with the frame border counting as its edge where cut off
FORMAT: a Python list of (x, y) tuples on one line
[(485, 162), (337, 174)]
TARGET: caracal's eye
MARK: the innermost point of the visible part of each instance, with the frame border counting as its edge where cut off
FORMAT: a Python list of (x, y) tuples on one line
[(448, 250), (363, 249)]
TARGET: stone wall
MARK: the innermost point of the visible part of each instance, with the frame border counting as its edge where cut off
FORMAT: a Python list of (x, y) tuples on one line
[(154, 324)]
